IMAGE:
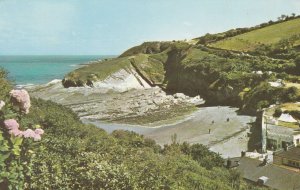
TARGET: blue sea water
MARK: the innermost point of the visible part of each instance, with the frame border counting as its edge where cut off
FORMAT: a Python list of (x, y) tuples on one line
[(25, 70)]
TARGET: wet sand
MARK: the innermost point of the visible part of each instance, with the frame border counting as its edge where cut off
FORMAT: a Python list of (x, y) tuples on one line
[(227, 138)]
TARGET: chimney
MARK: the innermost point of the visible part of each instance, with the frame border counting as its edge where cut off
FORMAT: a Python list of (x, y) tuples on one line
[(243, 154), (262, 180)]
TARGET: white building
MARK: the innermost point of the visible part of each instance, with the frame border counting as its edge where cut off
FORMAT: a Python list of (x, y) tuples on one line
[(275, 136)]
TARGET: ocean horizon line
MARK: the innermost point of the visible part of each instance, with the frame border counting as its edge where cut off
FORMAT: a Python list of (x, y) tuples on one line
[(40, 69)]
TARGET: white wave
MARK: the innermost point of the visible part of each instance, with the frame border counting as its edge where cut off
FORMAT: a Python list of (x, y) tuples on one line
[(74, 65), (21, 86), (54, 81)]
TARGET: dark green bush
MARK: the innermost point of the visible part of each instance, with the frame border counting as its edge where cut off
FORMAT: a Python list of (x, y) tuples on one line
[(277, 112)]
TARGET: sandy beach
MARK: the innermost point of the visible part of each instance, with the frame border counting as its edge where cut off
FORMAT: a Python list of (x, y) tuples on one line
[(228, 138)]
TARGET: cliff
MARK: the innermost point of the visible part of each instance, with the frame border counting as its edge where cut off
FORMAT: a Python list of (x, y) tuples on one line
[(220, 76)]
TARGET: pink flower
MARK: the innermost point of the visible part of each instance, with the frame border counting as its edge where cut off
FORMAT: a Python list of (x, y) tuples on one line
[(2, 104), (37, 137), (29, 133), (22, 98), (13, 127), (11, 124), (16, 132), (39, 131)]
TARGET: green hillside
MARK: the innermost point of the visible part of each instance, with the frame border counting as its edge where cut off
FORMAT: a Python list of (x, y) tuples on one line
[(147, 59), (219, 76), (210, 69), (269, 35)]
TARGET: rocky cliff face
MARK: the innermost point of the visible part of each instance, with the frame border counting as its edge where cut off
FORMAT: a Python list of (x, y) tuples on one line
[(122, 80), (169, 65)]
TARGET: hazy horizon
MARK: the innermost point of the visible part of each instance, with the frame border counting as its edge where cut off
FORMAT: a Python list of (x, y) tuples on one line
[(77, 27)]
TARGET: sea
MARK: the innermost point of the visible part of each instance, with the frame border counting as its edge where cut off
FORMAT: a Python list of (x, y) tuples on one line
[(40, 69)]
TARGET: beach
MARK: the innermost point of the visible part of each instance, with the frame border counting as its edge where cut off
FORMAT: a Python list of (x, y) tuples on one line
[(228, 138)]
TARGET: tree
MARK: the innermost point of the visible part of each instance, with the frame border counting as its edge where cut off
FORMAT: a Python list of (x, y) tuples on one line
[(283, 17), (277, 112), (291, 94)]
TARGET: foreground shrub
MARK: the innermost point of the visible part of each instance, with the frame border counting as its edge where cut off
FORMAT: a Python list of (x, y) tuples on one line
[(16, 145)]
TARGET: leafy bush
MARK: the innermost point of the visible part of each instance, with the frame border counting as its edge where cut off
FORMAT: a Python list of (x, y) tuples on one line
[(16, 138), (277, 112), (263, 95)]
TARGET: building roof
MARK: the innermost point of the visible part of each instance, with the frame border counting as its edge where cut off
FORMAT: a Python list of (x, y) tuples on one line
[(279, 130), (264, 178), (287, 118), (278, 177), (292, 153)]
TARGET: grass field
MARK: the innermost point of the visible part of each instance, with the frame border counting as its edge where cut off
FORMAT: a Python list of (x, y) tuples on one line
[(290, 84), (288, 125), (267, 35), (290, 107)]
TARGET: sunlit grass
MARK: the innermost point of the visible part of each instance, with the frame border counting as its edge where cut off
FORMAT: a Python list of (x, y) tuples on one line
[(267, 35), (289, 125)]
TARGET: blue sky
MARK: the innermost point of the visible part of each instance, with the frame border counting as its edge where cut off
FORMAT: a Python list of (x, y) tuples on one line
[(102, 27)]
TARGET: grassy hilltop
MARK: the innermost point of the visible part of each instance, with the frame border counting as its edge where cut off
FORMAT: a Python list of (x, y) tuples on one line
[(270, 35)]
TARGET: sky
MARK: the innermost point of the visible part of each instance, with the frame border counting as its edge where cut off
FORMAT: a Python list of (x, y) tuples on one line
[(109, 27)]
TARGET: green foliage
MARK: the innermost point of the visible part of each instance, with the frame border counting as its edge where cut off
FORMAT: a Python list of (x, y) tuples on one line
[(77, 156), (202, 155), (211, 38), (297, 63), (277, 112), (15, 152), (219, 76), (147, 48), (263, 95), (95, 71), (4, 84)]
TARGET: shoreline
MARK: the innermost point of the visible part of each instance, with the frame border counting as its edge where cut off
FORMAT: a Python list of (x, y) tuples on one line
[(226, 138), (186, 118)]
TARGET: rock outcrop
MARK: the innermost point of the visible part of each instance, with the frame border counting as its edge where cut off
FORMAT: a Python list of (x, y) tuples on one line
[(122, 80), (118, 100)]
